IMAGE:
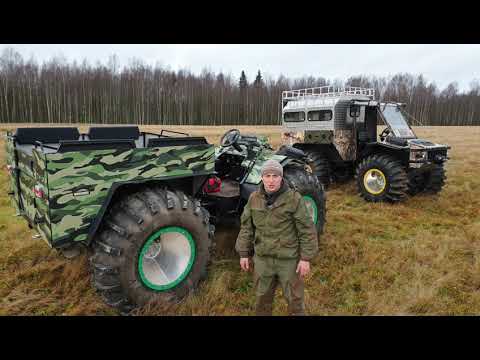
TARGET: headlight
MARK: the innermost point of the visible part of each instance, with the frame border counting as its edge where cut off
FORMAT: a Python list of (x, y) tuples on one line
[(418, 155), (438, 158)]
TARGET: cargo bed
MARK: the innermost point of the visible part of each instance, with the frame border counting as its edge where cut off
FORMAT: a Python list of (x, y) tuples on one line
[(61, 180)]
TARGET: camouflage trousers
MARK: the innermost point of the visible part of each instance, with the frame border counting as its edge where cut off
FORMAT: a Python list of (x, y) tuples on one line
[(268, 273)]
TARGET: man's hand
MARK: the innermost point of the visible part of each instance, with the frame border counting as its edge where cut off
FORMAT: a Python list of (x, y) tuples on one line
[(303, 268), (245, 264)]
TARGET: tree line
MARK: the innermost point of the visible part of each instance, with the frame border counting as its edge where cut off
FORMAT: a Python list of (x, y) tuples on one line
[(60, 92)]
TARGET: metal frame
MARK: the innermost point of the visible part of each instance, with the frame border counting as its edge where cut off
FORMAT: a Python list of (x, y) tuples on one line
[(327, 91)]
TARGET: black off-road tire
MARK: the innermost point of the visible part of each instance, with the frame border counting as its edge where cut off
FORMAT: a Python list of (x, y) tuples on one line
[(125, 230), (307, 185), (320, 167), (395, 184), (435, 179), (416, 183), (428, 182)]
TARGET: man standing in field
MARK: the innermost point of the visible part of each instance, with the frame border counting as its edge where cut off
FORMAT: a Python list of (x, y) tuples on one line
[(276, 227)]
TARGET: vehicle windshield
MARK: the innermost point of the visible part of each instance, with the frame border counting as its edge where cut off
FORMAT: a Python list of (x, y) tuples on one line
[(395, 119)]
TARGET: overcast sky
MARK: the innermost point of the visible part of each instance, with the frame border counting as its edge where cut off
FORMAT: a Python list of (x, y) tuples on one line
[(439, 63)]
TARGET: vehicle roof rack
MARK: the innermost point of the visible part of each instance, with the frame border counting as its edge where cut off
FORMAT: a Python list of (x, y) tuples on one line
[(327, 91)]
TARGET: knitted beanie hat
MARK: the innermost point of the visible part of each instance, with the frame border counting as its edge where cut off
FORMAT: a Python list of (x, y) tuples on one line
[(272, 167)]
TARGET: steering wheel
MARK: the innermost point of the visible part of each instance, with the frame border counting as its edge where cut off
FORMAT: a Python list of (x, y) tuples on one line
[(384, 133), (230, 138)]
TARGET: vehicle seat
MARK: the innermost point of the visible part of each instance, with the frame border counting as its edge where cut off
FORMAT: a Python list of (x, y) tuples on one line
[(114, 132), (47, 135)]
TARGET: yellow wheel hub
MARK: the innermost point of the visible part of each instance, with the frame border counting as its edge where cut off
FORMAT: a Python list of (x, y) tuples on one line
[(374, 181)]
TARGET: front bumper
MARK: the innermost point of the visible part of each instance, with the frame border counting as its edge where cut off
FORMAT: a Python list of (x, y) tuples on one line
[(421, 157)]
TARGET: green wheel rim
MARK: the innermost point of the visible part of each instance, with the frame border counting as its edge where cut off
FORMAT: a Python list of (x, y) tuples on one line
[(312, 208), (166, 258)]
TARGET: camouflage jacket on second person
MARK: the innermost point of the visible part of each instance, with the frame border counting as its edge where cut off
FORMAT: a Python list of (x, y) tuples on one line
[(284, 231)]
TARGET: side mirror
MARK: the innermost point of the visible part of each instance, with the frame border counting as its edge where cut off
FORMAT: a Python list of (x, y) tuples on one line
[(354, 111)]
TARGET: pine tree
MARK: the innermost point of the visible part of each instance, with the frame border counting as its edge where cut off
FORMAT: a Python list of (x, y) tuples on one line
[(258, 80), (243, 80), (243, 97)]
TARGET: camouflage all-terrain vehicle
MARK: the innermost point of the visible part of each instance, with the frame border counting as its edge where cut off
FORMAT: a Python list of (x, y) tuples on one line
[(137, 201), (337, 129)]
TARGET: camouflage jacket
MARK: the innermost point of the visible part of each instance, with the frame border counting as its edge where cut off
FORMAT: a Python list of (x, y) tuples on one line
[(285, 231)]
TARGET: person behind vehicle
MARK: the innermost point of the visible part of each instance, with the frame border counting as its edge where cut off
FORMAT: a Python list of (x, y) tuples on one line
[(277, 230)]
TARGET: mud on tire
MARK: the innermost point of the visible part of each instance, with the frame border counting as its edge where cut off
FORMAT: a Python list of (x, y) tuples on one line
[(381, 178), (121, 242), (308, 186)]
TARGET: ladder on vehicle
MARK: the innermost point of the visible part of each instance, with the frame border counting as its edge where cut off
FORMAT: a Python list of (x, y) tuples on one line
[(327, 91)]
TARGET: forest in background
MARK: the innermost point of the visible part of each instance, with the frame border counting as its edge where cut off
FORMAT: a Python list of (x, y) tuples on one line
[(57, 91)]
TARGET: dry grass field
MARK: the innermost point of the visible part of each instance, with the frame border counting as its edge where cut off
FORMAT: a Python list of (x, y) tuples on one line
[(419, 257)]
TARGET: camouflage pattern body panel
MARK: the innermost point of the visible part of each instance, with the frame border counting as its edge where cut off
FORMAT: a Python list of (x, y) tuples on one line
[(318, 137), (11, 163), (345, 144), (79, 182), (292, 137), (30, 172), (41, 217), (307, 137)]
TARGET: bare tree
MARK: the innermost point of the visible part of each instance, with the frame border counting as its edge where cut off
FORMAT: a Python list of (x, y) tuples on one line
[(60, 92)]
